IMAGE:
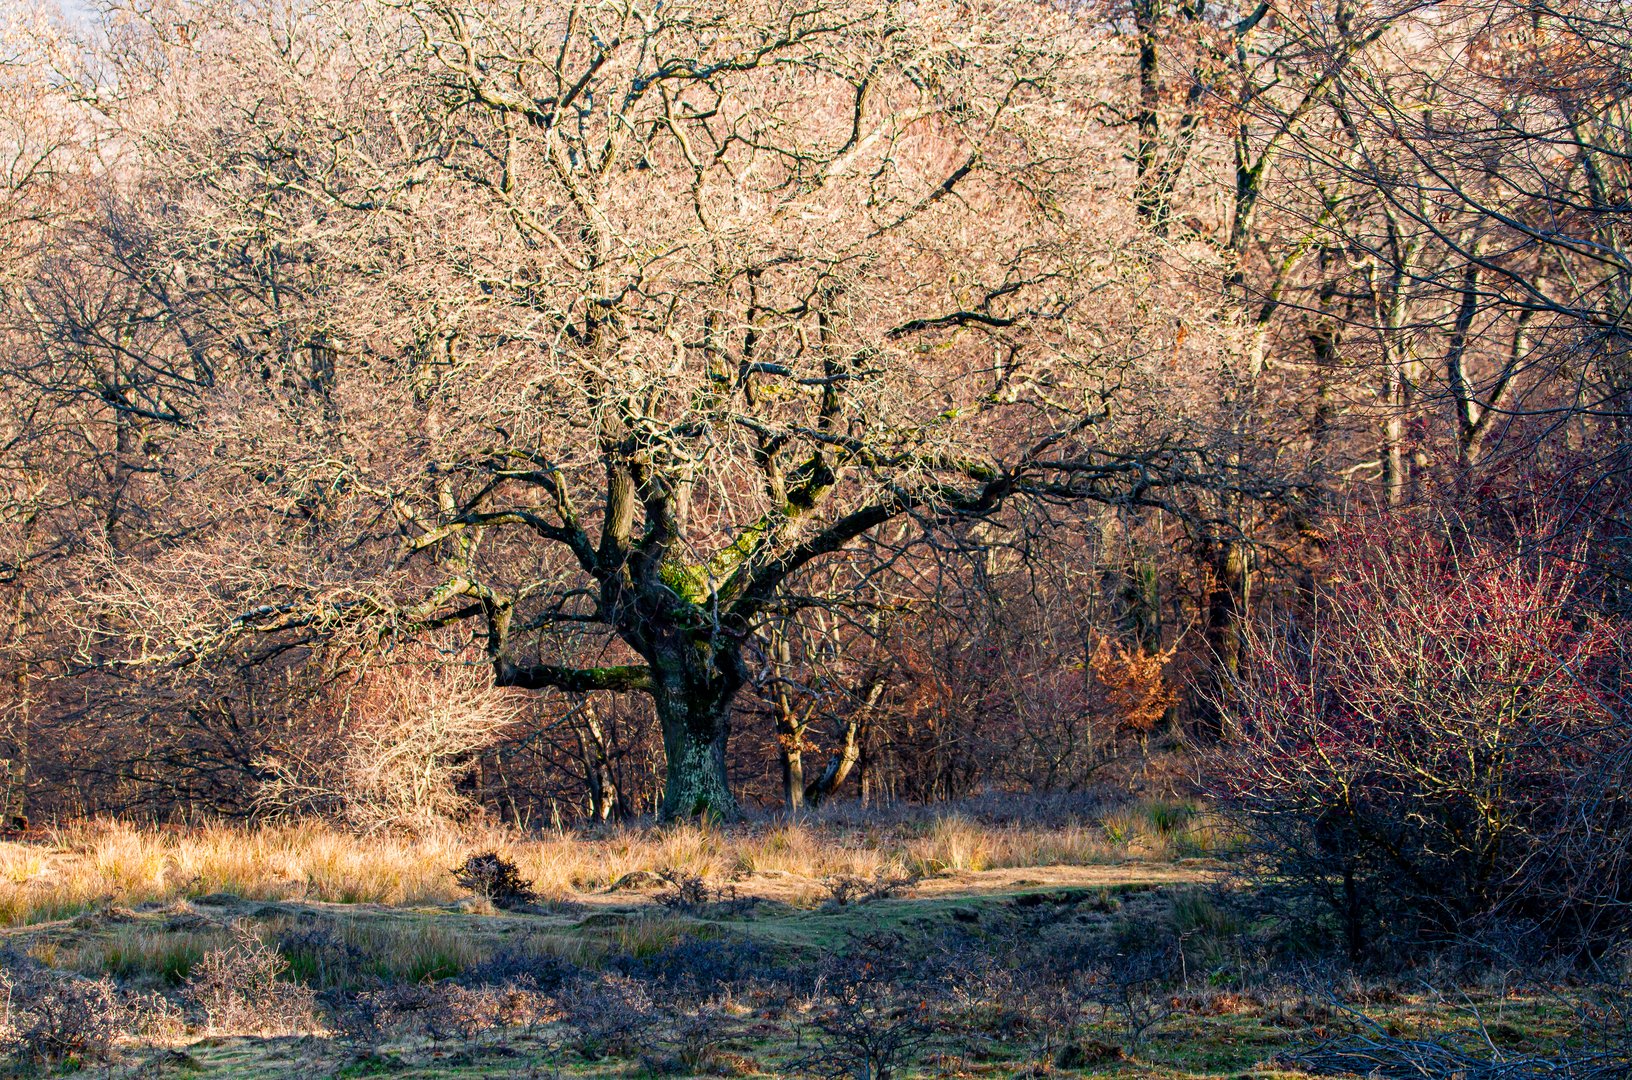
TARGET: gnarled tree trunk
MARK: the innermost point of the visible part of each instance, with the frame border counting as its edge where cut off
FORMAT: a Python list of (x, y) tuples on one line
[(693, 698)]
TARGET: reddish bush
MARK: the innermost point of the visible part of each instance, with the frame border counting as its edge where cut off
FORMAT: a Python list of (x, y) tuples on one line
[(1441, 745)]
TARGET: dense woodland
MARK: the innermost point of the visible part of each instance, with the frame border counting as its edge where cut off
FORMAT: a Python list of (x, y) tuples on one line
[(564, 411)]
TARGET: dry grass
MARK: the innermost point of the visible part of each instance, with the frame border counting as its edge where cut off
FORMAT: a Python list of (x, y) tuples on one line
[(1150, 832), (101, 863), (93, 864), (134, 952)]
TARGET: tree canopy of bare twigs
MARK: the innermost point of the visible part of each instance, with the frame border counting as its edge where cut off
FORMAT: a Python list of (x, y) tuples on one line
[(596, 325), (943, 389)]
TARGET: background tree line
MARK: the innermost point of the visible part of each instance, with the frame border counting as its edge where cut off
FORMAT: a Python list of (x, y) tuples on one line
[(608, 409)]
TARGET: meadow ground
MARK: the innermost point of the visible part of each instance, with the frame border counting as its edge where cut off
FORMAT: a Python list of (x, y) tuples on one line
[(1097, 942)]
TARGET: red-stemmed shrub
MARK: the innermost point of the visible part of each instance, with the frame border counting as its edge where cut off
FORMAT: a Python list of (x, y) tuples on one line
[(1437, 748)]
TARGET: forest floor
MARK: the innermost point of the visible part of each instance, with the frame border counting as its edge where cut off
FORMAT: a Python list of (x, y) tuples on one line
[(1132, 965)]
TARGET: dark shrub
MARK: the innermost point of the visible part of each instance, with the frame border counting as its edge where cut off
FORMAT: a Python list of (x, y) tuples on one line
[(518, 965), (611, 1014), (498, 879), (873, 1015), (695, 968)]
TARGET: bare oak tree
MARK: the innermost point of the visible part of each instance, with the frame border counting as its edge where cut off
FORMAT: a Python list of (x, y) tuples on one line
[(597, 325)]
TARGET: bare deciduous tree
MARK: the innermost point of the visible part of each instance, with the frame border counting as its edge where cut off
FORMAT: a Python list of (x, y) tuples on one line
[(599, 326)]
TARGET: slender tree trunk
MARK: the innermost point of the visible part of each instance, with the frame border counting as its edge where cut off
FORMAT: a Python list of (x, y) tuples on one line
[(1326, 345), (1224, 604), (790, 725), (1137, 602), (1230, 570), (1353, 915), (848, 755), (593, 746), (838, 768), (1393, 435), (793, 780), (790, 737)]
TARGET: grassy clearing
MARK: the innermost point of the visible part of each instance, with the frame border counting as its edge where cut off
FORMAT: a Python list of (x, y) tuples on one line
[(1012, 947)]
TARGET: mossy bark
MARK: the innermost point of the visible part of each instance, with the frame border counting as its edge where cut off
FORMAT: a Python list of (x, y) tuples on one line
[(693, 691), (694, 738)]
